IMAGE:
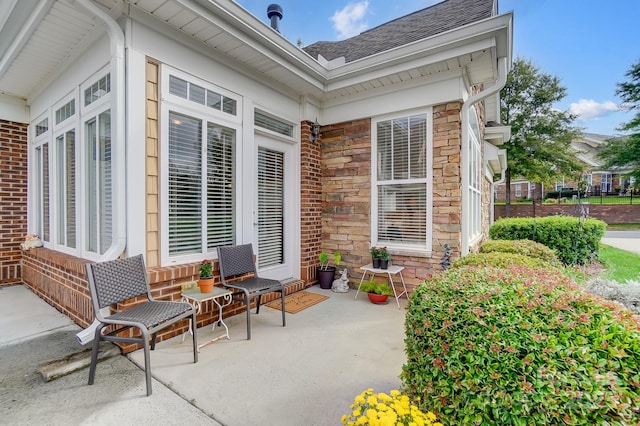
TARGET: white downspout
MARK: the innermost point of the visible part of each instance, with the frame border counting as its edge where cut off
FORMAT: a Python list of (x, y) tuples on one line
[(500, 83), (118, 111)]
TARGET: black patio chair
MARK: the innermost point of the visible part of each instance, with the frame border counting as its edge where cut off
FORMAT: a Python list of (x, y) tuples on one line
[(236, 261), (118, 280)]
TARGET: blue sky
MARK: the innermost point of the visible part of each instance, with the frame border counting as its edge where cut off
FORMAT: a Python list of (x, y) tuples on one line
[(588, 44)]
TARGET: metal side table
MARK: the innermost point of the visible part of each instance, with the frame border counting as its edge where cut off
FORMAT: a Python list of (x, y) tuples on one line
[(196, 298), (390, 271)]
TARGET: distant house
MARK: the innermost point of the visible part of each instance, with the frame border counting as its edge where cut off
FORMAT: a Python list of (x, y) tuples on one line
[(596, 179), (170, 127)]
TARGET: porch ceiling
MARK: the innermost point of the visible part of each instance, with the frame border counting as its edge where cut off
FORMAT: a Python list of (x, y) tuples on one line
[(39, 38)]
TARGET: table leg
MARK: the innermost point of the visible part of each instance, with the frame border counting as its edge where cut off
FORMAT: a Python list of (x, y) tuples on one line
[(361, 280)]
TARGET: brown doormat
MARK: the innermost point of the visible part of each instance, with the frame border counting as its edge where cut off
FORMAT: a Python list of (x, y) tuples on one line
[(298, 301)]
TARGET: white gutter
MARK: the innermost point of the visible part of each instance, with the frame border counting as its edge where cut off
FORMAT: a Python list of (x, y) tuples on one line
[(499, 84), (118, 147)]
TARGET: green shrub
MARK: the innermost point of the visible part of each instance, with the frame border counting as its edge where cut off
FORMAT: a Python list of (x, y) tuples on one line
[(499, 260), (519, 346), (575, 240), (524, 247)]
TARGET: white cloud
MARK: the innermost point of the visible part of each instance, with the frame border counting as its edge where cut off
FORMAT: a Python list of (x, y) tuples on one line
[(588, 109), (349, 21)]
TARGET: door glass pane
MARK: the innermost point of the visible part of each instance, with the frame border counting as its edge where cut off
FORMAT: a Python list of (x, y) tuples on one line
[(270, 207)]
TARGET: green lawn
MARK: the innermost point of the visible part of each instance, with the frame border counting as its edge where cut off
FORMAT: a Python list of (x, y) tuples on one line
[(620, 265)]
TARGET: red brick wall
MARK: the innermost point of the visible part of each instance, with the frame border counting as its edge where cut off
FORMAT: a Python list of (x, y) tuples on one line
[(310, 204), (13, 198), (60, 280), (609, 213)]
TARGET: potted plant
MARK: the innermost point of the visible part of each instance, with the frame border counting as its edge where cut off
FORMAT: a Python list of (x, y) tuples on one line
[(205, 281), (375, 256), (385, 257), (377, 292), (326, 273)]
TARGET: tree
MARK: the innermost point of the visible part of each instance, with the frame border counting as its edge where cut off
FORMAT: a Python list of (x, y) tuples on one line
[(541, 136), (625, 152)]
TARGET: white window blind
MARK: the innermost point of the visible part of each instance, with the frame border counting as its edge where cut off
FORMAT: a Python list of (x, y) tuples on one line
[(42, 192), (200, 193), (270, 207), (98, 183), (66, 186), (221, 227), (475, 178), (402, 181)]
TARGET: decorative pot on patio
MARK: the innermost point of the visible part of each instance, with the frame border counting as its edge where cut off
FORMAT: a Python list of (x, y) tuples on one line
[(326, 276), (206, 285), (377, 298)]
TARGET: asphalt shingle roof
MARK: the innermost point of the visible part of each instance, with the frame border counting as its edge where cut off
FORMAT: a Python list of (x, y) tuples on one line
[(436, 19)]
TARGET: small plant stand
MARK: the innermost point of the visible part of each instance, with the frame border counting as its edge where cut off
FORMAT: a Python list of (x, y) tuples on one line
[(391, 271), (196, 298)]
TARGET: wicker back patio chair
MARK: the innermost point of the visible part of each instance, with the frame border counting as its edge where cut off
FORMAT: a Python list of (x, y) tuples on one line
[(118, 280), (236, 261)]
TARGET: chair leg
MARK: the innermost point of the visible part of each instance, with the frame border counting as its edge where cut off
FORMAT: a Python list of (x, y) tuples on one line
[(283, 317), (195, 339), (153, 341), (258, 305), (247, 302), (147, 361), (94, 353)]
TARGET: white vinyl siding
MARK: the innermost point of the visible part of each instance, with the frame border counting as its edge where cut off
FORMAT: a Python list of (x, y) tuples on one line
[(400, 182)]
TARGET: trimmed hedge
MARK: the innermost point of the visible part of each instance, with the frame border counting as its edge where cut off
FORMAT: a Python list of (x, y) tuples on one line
[(524, 247), (500, 260), (575, 240), (519, 346)]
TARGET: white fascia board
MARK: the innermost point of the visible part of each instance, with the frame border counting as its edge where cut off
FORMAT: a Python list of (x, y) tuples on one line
[(253, 33), (497, 135), (383, 69), (14, 109), (491, 32)]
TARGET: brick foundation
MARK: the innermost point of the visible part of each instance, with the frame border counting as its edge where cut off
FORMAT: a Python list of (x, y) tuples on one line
[(60, 280)]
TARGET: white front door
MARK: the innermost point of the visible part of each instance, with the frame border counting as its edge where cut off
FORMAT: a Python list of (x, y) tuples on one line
[(274, 219)]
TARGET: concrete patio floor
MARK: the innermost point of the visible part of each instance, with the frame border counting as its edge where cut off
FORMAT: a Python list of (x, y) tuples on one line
[(306, 373)]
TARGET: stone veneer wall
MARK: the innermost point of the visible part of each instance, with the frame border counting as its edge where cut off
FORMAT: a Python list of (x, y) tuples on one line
[(13, 199), (346, 194)]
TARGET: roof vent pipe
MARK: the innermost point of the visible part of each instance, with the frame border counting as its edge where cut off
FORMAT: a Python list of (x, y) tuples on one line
[(274, 12)]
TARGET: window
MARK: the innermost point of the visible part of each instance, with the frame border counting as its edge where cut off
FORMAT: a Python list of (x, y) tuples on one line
[(201, 197), (98, 183), (267, 122), (474, 165), (605, 182), (400, 169), (66, 188), (200, 95), (518, 190), (201, 127), (41, 185), (71, 185), (560, 184)]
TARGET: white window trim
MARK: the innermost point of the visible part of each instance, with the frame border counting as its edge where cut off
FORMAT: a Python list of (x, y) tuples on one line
[(180, 105), (75, 122), (399, 248)]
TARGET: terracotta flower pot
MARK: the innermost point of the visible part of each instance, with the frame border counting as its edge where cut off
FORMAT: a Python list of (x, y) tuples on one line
[(206, 285), (377, 298)]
